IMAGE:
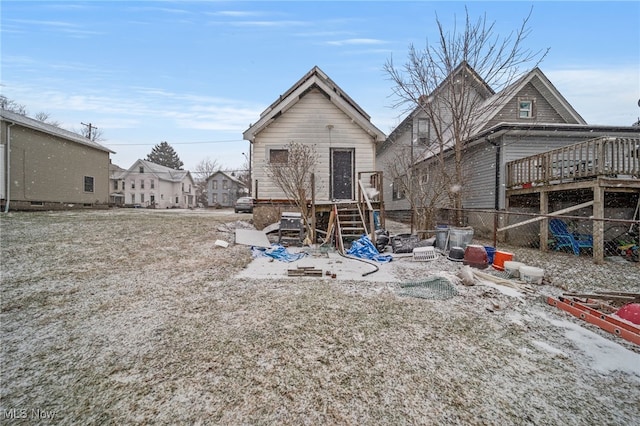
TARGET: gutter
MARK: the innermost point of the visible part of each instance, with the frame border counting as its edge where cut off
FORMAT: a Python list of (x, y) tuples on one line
[(8, 171)]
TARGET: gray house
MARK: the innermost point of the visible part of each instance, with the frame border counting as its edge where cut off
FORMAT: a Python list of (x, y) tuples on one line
[(44, 167), (223, 189), (527, 150)]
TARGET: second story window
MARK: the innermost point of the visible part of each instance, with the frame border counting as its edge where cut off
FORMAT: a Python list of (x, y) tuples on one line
[(152, 184), (225, 184), (115, 185), (525, 108), (423, 131), (214, 184), (141, 183), (133, 184), (141, 169), (278, 156), (123, 185)]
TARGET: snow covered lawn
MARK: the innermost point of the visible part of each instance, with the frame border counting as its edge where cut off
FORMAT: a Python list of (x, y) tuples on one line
[(137, 316)]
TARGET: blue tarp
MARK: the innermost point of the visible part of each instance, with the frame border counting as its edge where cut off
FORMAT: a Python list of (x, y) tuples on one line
[(277, 252), (364, 249)]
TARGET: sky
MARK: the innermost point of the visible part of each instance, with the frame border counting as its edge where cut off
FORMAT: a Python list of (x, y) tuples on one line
[(197, 73)]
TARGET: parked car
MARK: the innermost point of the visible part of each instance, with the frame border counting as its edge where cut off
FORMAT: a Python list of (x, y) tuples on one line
[(244, 204)]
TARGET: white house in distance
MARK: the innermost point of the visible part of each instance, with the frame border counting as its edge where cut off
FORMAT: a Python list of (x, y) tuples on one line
[(224, 189), (151, 185)]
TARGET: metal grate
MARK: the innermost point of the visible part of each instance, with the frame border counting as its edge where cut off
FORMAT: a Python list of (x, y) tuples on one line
[(435, 287), (424, 254)]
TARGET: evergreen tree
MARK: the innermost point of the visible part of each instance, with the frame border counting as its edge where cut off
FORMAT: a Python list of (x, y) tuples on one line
[(164, 154)]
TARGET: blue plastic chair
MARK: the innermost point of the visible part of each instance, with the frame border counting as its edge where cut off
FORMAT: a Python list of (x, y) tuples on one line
[(566, 239)]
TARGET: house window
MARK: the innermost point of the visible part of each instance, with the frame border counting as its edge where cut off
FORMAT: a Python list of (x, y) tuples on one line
[(142, 198), (398, 193), (153, 199), (141, 183), (177, 200), (225, 198), (115, 185), (225, 184), (133, 184), (141, 169), (214, 197), (152, 183), (525, 108), (278, 156), (182, 186), (189, 188), (423, 131), (133, 198), (123, 185), (88, 184), (162, 196), (214, 184)]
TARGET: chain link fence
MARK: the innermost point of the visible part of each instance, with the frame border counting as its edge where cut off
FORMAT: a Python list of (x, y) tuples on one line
[(569, 233)]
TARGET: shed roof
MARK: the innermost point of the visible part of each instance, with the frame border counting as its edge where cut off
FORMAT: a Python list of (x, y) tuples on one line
[(41, 126)]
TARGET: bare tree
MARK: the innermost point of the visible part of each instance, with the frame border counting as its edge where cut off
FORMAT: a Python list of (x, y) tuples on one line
[(292, 173), (91, 132), (45, 117), (451, 82), (424, 188), (205, 168), (11, 105)]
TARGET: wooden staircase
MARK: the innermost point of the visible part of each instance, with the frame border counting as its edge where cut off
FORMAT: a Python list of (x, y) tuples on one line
[(350, 224)]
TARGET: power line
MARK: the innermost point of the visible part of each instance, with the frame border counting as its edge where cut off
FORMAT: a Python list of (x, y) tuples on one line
[(176, 143)]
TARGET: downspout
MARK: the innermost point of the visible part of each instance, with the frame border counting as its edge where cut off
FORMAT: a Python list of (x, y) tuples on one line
[(496, 195), (7, 159)]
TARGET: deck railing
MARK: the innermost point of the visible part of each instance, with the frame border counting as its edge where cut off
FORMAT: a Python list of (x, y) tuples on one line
[(604, 156)]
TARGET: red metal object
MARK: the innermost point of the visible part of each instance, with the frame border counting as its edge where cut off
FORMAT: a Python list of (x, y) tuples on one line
[(593, 316)]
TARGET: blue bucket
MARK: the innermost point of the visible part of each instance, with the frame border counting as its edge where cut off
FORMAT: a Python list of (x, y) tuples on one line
[(491, 251)]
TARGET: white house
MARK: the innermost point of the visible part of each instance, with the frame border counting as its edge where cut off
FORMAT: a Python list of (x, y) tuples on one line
[(148, 184), (315, 111)]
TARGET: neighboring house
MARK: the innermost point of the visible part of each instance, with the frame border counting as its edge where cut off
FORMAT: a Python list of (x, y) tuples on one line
[(223, 189), (314, 111), (116, 185), (45, 167), (526, 118), (147, 184)]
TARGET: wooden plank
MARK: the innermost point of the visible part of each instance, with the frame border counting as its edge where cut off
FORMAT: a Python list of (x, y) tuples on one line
[(557, 212)]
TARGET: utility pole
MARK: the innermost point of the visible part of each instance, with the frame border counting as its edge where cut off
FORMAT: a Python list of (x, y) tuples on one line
[(90, 126)]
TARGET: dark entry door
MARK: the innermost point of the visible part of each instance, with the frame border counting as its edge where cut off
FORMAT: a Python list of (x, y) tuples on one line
[(341, 174)]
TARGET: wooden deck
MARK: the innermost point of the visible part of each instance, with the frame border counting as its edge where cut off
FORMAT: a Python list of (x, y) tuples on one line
[(605, 157), (600, 165)]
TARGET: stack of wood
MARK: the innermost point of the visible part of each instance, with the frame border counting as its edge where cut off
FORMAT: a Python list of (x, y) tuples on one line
[(304, 271)]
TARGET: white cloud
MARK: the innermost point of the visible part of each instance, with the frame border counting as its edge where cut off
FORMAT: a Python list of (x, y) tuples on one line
[(601, 95)]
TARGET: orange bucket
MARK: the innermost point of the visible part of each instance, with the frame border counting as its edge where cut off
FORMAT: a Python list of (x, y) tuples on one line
[(499, 258)]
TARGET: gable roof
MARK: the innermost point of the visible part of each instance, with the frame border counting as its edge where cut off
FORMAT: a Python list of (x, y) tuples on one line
[(41, 126), (315, 78), (161, 172), (536, 77), (228, 176)]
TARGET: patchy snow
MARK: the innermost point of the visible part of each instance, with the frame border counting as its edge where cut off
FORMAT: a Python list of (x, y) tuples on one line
[(138, 316), (606, 356)]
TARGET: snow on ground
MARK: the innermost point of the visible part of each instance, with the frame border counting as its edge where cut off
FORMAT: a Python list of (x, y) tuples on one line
[(136, 316)]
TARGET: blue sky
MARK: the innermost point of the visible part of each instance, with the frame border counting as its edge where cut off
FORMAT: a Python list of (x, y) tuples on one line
[(196, 74)]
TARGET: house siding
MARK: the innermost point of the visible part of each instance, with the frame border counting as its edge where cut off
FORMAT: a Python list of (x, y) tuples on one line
[(50, 169), (165, 192), (544, 112), (307, 123)]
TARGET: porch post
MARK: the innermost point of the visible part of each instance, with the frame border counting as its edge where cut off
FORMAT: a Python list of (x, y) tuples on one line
[(544, 223), (598, 223)]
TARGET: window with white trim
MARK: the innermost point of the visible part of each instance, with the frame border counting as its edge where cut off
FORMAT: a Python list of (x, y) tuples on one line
[(278, 156), (525, 108)]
